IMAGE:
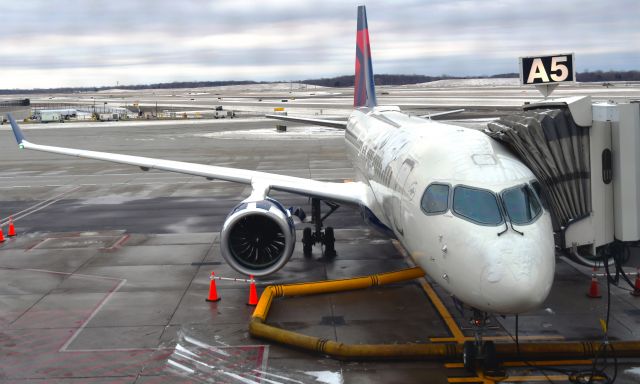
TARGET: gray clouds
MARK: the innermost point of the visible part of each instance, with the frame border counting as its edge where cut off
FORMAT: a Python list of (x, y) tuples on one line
[(71, 43)]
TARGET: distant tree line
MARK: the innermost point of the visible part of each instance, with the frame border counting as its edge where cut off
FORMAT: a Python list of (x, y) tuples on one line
[(383, 79), (177, 84), (339, 81), (596, 76)]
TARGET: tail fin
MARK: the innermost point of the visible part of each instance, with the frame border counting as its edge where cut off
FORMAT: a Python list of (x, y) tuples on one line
[(364, 94)]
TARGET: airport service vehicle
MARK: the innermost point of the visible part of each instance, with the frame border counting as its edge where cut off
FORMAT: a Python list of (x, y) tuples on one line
[(55, 115), (460, 203), (107, 116), (222, 114), (49, 117)]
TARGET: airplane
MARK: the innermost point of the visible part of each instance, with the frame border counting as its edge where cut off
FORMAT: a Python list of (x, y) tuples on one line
[(460, 203)]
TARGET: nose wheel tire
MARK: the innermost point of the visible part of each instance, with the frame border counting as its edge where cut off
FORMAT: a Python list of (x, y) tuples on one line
[(483, 357), (489, 359), (469, 355)]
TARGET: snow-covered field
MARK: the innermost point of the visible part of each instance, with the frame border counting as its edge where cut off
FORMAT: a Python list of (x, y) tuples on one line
[(453, 83)]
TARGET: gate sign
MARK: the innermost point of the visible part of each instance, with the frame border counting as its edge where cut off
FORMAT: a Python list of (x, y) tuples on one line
[(547, 69)]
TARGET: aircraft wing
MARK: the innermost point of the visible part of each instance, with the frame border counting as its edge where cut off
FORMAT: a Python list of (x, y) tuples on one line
[(309, 120), (435, 114), (351, 193)]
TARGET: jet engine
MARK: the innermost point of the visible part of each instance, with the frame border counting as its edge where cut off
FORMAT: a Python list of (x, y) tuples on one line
[(258, 237)]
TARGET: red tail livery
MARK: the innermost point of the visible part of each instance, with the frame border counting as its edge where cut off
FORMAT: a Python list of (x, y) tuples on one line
[(364, 94)]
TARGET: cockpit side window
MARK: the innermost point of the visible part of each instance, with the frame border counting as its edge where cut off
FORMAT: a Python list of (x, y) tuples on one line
[(537, 188), (435, 199), (477, 205), (521, 204)]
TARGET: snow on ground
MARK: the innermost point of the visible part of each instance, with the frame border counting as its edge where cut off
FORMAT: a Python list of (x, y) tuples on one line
[(633, 372), (327, 377), (267, 87), (126, 123), (452, 83), (292, 133)]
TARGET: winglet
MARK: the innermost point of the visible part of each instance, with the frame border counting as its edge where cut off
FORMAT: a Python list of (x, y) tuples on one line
[(17, 132), (364, 94)]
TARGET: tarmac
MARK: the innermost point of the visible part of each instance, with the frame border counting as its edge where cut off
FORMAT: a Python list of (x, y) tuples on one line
[(107, 279)]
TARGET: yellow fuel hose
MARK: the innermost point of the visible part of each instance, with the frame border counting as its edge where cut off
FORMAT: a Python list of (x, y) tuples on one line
[(427, 351), (330, 286)]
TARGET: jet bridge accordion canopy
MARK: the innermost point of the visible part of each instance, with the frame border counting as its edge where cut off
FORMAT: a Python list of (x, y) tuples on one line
[(550, 143)]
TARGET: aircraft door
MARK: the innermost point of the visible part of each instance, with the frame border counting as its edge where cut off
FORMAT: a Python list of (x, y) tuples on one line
[(400, 194)]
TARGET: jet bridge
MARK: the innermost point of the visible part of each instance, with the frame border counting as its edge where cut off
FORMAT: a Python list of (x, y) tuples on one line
[(586, 156)]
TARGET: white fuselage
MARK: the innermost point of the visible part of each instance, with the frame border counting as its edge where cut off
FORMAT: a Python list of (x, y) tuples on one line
[(399, 156)]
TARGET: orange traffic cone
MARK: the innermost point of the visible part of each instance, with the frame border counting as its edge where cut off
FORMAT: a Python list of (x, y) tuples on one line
[(253, 294), (12, 229), (636, 290), (594, 288), (1, 236), (213, 292)]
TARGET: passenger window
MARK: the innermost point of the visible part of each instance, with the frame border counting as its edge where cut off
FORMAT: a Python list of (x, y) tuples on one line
[(476, 205), (435, 199), (521, 204)]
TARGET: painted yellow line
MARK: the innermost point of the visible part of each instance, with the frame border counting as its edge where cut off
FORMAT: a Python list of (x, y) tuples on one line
[(443, 339), (464, 380), (552, 363), (460, 338), (526, 379), (497, 338), (455, 330), (509, 379)]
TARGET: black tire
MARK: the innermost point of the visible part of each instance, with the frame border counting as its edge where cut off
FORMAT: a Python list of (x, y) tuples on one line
[(307, 250), (329, 236), (490, 361), (469, 356), (307, 242), (329, 242)]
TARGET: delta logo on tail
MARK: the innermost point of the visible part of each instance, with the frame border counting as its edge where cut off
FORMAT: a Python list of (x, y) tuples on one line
[(364, 94)]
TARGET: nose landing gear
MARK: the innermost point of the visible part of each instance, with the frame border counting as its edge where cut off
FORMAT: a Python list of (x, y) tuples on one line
[(325, 238), (478, 353)]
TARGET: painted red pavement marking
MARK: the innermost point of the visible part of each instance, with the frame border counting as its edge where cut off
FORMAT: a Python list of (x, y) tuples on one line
[(123, 239), (33, 357), (100, 304)]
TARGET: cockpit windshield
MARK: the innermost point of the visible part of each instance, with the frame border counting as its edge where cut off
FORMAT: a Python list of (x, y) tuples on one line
[(521, 204), (477, 205)]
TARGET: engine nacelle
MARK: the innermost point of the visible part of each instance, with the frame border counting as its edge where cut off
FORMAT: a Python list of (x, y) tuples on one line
[(258, 238)]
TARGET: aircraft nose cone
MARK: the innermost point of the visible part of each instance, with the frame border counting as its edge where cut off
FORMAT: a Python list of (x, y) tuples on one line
[(518, 281), (522, 296)]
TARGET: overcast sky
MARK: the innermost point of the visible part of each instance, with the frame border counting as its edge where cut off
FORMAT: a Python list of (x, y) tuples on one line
[(55, 43)]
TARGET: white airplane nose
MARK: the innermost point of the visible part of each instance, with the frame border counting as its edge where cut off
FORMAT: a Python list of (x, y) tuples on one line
[(518, 281), (516, 296)]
